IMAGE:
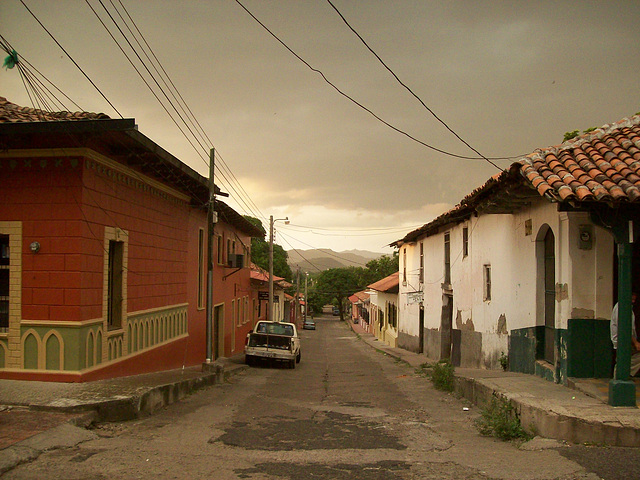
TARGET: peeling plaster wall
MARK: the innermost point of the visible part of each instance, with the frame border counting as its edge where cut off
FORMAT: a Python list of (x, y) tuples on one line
[(510, 243), (408, 313)]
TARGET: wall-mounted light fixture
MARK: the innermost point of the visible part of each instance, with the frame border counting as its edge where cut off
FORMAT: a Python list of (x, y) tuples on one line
[(34, 247)]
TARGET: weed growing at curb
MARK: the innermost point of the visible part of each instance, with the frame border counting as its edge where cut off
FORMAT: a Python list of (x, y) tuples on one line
[(500, 419), (423, 370), (442, 375)]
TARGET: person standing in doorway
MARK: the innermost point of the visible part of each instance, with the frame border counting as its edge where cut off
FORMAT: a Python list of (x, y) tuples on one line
[(635, 344)]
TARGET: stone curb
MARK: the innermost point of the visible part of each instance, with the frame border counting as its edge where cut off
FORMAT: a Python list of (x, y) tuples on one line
[(547, 423), (130, 406), (543, 421), (110, 410)]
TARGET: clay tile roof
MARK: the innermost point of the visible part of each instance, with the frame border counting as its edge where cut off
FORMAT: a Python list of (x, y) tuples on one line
[(602, 165), (361, 296), (12, 113), (599, 166), (387, 284)]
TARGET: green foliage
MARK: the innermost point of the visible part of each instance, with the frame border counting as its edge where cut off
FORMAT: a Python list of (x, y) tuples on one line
[(423, 370), (442, 375), (500, 419), (260, 254), (575, 133), (504, 361), (570, 135), (336, 285)]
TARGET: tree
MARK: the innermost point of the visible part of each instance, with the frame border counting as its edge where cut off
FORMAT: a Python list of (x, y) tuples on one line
[(336, 285), (381, 267), (260, 253)]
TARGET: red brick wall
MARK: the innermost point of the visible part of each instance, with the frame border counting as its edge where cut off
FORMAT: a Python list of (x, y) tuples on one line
[(45, 195), (65, 204), (230, 283)]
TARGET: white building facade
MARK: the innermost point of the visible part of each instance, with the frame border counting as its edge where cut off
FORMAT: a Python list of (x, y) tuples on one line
[(522, 282)]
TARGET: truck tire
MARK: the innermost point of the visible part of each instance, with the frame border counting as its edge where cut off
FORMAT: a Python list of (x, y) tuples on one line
[(249, 360), (292, 364), (298, 357)]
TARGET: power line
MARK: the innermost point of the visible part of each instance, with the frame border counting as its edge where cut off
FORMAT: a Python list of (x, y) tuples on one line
[(223, 173), (357, 229), (330, 253), (71, 58), (337, 232), (406, 87), (351, 99)]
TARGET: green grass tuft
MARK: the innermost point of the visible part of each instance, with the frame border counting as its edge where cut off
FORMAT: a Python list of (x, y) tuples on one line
[(442, 375), (500, 419)]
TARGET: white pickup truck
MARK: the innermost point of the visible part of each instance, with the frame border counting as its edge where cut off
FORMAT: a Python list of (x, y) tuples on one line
[(275, 340)]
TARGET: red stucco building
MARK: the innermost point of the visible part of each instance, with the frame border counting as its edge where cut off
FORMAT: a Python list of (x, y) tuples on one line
[(103, 242)]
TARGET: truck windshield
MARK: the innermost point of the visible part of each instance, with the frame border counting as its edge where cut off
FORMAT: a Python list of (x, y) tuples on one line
[(276, 329)]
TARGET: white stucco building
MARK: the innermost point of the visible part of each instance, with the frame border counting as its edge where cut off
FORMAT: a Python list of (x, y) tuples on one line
[(525, 266)]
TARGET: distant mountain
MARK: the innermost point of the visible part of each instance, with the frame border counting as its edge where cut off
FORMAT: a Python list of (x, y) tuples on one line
[(324, 259)]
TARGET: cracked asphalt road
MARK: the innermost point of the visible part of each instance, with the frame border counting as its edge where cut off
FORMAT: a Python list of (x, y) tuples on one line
[(346, 412)]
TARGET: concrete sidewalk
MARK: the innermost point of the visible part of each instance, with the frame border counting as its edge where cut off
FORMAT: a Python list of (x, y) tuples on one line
[(117, 399), (40, 416), (548, 409)]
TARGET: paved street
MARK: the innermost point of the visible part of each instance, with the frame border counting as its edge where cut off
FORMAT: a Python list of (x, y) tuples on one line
[(346, 412)]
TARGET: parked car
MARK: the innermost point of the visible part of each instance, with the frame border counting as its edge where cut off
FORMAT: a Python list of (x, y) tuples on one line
[(274, 340), (336, 311), (309, 324)]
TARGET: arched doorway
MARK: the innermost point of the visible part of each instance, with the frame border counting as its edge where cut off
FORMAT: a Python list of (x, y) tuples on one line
[(549, 296)]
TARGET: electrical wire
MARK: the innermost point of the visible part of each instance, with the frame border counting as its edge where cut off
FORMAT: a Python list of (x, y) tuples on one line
[(224, 173), (354, 232), (330, 253), (352, 100), (406, 87), (72, 60)]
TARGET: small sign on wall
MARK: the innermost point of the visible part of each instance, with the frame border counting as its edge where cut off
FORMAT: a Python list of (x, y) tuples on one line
[(415, 297)]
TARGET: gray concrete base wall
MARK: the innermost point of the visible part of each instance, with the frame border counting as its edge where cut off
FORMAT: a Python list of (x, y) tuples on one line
[(471, 349), (432, 343), (409, 342)]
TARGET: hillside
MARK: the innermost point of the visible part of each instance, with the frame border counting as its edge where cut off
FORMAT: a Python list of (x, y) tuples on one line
[(324, 259)]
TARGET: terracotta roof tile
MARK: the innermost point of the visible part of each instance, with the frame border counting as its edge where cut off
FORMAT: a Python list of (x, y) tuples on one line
[(12, 113), (599, 166), (602, 165), (387, 284)]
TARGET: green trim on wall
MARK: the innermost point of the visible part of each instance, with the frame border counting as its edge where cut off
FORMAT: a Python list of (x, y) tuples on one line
[(589, 348), (82, 343), (523, 345)]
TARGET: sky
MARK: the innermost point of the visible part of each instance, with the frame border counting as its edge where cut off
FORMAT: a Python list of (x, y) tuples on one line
[(506, 77)]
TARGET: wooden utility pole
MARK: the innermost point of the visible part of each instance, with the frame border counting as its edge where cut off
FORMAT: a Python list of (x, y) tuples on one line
[(296, 317), (211, 219)]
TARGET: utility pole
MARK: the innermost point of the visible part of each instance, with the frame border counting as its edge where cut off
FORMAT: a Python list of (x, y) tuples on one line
[(270, 309), (306, 298), (296, 317), (271, 222), (211, 218)]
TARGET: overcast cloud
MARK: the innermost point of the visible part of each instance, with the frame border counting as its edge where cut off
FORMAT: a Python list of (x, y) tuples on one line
[(508, 77)]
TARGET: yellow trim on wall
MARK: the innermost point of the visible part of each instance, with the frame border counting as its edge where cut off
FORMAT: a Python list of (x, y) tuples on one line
[(63, 323), (13, 357)]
